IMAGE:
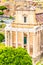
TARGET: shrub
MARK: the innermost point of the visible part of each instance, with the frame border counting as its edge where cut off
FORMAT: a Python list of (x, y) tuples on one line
[(2, 45), (12, 56), (2, 8), (2, 25), (1, 13), (1, 21), (1, 37), (39, 63), (10, 17)]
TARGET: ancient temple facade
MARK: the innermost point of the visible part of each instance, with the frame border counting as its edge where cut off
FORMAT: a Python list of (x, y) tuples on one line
[(26, 30)]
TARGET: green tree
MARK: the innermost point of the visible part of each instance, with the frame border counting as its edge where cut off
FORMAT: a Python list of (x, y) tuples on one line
[(2, 25), (1, 37), (1, 21), (1, 13), (13, 56), (10, 17), (2, 8)]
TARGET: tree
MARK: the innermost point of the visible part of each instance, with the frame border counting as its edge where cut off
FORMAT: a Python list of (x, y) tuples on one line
[(1, 37), (1, 13), (3, 8), (10, 17), (13, 56), (2, 25), (1, 21)]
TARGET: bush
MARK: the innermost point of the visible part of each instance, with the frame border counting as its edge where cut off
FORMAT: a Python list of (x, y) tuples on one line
[(10, 17), (2, 45), (1, 13), (2, 25), (1, 21), (39, 63), (3, 8), (1, 37), (12, 56)]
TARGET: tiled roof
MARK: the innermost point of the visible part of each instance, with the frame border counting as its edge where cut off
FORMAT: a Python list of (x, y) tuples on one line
[(39, 17)]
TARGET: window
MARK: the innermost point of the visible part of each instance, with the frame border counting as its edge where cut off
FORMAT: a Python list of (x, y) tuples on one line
[(25, 40), (25, 19)]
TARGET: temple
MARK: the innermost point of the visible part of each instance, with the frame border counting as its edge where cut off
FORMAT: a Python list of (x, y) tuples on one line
[(26, 30)]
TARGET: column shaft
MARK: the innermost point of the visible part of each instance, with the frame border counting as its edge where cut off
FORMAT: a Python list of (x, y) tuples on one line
[(28, 48), (5, 38), (16, 40), (22, 40), (34, 44), (10, 38), (39, 41)]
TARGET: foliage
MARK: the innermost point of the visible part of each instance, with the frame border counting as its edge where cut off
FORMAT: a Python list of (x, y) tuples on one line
[(2, 45), (2, 8), (40, 62), (2, 25), (2, 33), (10, 17), (13, 56), (1, 37), (1, 13), (1, 21)]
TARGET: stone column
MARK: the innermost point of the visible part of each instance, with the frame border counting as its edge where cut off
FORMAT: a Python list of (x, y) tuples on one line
[(6, 38), (34, 44), (8, 34), (28, 48), (39, 41), (16, 40), (11, 38), (22, 40)]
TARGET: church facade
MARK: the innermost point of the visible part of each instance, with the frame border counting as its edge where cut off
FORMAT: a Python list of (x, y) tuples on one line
[(26, 30)]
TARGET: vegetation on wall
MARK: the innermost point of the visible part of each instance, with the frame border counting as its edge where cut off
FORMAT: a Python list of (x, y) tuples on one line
[(13, 56)]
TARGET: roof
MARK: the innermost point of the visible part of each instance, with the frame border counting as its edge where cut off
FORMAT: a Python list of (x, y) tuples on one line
[(39, 17)]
